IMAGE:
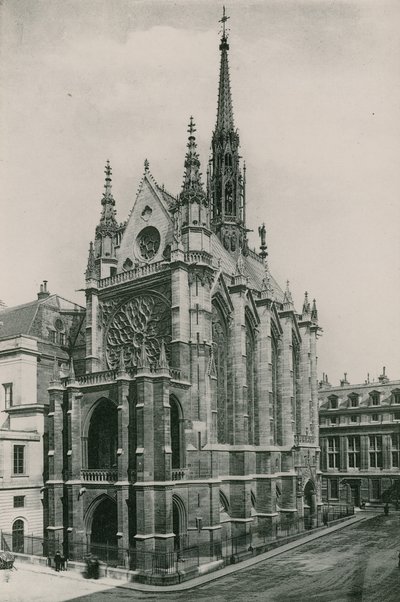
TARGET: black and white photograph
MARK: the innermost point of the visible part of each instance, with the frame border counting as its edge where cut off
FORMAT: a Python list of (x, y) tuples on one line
[(200, 300)]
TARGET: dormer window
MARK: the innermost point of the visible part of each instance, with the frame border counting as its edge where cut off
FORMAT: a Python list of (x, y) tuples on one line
[(353, 400), (333, 402), (375, 398)]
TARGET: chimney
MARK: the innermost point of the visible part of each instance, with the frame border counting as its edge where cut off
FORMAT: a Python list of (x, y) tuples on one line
[(382, 377), (344, 381), (43, 293)]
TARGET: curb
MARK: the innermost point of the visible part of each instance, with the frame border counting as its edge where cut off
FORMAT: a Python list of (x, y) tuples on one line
[(233, 568)]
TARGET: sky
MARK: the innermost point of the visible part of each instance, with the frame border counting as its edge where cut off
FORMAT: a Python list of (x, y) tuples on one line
[(316, 97)]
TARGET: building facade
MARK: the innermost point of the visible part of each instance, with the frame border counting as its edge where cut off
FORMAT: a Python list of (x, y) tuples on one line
[(195, 418), (33, 337), (360, 440)]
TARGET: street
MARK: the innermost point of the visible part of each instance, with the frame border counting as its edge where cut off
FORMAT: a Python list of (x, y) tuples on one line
[(355, 563)]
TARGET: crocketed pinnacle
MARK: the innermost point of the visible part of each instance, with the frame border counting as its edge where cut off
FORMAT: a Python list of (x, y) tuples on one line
[(107, 218), (224, 110), (91, 270), (314, 311), (287, 297), (192, 176), (162, 360), (306, 305)]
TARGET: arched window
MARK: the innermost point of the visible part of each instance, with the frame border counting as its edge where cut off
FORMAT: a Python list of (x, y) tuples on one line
[(273, 406), (176, 426), (252, 402), (229, 199), (103, 436), (18, 536), (296, 410), (221, 347)]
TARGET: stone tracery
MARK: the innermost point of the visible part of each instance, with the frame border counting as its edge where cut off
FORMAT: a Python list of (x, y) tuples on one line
[(143, 317)]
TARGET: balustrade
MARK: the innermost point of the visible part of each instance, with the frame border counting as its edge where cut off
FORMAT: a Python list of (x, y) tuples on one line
[(99, 475)]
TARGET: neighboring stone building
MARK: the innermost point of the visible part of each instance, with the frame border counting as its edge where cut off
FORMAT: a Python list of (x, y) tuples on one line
[(359, 439), (33, 337), (197, 417)]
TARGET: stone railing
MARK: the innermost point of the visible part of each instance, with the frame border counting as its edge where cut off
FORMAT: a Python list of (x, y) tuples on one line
[(198, 257), (179, 474), (97, 378), (254, 255), (304, 439), (99, 475), (145, 270)]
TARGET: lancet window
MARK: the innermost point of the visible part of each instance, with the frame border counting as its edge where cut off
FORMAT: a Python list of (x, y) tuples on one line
[(251, 374), (222, 364), (273, 409)]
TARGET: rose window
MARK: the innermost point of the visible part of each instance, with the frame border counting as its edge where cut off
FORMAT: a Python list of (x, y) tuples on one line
[(148, 242), (146, 317)]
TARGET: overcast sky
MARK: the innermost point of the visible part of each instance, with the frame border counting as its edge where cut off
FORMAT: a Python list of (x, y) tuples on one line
[(316, 96)]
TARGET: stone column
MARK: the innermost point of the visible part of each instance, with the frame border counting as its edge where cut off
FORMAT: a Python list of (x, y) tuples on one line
[(122, 484), (55, 483), (92, 316), (76, 528)]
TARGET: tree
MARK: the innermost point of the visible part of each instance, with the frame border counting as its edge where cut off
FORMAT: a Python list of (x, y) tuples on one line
[(393, 493)]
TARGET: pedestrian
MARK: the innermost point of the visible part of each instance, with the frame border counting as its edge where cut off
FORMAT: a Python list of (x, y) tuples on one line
[(386, 509), (57, 560), (399, 560), (63, 563)]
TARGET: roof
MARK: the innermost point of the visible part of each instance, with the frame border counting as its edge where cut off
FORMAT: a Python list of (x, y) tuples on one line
[(20, 318), (254, 268)]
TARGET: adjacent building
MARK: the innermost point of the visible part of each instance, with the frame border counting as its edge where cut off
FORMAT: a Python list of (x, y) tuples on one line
[(195, 416), (34, 337), (359, 439)]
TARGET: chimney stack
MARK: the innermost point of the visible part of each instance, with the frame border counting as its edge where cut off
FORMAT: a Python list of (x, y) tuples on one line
[(43, 293)]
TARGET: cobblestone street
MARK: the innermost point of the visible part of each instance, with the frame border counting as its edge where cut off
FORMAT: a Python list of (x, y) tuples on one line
[(355, 563)]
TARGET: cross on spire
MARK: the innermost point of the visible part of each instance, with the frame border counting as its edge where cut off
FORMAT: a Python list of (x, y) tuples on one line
[(223, 20)]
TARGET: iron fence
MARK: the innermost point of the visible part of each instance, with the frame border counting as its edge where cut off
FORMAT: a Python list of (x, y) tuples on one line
[(186, 554)]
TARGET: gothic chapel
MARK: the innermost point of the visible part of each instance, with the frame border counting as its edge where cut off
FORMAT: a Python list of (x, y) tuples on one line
[(194, 416)]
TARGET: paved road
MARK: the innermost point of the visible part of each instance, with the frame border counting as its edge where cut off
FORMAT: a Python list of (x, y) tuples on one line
[(357, 563)]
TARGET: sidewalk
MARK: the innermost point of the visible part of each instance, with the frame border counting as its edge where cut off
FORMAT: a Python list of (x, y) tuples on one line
[(191, 584)]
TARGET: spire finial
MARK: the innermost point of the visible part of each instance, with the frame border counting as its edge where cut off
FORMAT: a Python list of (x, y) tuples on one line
[(107, 184), (191, 126), (192, 176), (223, 20), (146, 166)]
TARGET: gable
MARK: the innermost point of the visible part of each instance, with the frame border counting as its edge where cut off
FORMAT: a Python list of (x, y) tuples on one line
[(149, 228)]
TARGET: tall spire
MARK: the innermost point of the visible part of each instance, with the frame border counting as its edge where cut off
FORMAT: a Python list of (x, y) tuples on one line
[(226, 186), (224, 110)]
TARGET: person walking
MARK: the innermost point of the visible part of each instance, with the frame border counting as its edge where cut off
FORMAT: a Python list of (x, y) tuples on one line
[(57, 560), (386, 509)]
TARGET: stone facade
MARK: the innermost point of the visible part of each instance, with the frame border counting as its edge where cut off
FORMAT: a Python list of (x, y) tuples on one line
[(360, 440), (197, 415), (33, 339)]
